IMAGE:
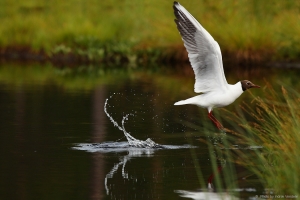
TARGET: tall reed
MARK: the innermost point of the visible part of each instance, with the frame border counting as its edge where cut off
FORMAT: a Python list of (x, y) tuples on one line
[(273, 123)]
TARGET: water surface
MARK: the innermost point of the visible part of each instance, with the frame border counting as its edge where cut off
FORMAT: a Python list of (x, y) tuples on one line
[(46, 111)]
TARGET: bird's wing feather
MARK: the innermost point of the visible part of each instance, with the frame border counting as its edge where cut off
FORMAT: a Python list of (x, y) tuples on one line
[(203, 51)]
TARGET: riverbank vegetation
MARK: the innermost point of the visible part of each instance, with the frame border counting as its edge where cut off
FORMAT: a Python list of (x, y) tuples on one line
[(270, 131), (144, 31)]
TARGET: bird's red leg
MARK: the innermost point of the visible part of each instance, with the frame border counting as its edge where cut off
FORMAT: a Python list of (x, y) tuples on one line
[(211, 177), (215, 121)]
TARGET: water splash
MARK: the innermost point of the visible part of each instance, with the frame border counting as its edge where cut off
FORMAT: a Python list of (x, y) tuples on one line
[(118, 147), (132, 145), (131, 140)]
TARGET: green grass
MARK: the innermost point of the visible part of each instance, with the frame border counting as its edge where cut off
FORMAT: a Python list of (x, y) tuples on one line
[(274, 124), (253, 30)]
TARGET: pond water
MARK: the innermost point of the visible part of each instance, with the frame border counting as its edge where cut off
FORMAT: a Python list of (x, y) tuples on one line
[(46, 111)]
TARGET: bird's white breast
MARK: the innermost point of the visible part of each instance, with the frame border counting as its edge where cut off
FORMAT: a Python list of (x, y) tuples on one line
[(230, 95), (219, 98)]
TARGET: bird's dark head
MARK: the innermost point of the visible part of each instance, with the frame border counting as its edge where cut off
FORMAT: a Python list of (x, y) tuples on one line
[(248, 84)]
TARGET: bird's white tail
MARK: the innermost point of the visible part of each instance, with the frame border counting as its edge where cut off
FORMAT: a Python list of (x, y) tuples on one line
[(180, 102)]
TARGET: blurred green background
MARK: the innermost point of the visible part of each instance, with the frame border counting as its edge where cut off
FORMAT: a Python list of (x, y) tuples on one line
[(250, 30)]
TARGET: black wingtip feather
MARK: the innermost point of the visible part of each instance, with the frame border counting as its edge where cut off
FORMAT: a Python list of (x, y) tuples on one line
[(174, 5), (185, 27)]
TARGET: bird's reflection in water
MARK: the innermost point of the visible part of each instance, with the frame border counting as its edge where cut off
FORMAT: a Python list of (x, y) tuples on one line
[(211, 194), (204, 195)]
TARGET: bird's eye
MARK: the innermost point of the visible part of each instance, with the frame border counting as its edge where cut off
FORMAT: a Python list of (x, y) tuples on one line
[(248, 83)]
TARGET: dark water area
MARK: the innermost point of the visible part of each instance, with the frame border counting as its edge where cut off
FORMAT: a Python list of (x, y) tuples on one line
[(45, 112)]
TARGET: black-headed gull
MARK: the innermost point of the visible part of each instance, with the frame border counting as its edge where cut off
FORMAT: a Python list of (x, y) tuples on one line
[(206, 59)]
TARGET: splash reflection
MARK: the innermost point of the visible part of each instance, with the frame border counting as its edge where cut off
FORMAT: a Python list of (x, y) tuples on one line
[(123, 160)]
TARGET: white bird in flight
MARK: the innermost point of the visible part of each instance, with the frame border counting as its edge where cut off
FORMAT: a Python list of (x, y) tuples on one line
[(205, 57)]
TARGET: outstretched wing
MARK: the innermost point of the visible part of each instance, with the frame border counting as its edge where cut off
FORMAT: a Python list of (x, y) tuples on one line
[(203, 51)]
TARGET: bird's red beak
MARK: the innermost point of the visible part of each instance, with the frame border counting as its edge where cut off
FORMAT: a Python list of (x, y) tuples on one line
[(255, 86)]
